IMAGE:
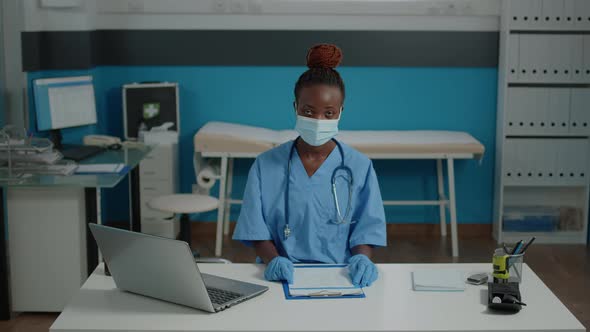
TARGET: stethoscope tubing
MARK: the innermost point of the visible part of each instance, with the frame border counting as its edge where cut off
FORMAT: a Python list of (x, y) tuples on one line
[(342, 167)]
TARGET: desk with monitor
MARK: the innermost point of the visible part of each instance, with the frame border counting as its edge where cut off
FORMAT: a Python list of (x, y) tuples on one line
[(48, 253)]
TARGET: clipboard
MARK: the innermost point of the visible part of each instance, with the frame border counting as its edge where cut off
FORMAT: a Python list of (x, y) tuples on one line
[(336, 283)]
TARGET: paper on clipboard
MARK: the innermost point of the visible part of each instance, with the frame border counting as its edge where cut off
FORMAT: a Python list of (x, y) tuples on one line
[(322, 281)]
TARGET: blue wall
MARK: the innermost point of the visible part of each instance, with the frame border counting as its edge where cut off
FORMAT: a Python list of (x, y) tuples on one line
[(377, 98)]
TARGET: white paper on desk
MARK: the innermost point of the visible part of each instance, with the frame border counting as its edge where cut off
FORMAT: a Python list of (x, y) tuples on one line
[(332, 279), (441, 280), (100, 168)]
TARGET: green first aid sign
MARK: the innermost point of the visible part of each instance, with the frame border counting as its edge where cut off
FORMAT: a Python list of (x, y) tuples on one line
[(151, 110)]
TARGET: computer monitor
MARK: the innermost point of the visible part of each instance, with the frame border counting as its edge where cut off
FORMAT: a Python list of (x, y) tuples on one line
[(63, 103)]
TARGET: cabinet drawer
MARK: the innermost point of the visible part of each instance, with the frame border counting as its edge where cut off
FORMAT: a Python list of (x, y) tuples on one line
[(150, 190), (147, 212), (158, 227), (158, 164), (156, 188)]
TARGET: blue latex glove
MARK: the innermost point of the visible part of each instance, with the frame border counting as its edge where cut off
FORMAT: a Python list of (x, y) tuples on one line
[(362, 271), (279, 268)]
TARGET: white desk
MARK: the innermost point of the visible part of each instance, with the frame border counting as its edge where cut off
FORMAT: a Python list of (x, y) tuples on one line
[(390, 305)]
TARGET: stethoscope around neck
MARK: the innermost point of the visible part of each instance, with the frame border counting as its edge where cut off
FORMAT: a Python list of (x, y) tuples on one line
[(340, 219)]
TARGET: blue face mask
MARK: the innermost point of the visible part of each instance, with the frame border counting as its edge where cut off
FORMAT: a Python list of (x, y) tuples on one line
[(316, 132)]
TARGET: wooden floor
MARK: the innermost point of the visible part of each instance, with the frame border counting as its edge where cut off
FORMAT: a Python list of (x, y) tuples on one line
[(564, 268)]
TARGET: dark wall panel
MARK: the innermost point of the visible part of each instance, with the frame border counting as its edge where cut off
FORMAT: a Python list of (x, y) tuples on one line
[(84, 49)]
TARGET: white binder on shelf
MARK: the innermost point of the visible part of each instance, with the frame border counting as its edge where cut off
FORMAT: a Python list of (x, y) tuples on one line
[(554, 57), (524, 13), (577, 58), (569, 14), (572, 160), (509, 162), (526, 57), (559, 103), (516, 110), (553, 12), (566, 54), (512, 59), (577, 160), (521, 160), (537, 163), (580, 111), (554, 116), (582, 151), (562, 161), (581, 14), (551, 159), (586, 68), (531, 152), (543, 57), (535, 111), (542, 111)]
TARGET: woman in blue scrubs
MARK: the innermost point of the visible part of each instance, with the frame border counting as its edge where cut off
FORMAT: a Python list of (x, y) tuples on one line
[(289, 212)]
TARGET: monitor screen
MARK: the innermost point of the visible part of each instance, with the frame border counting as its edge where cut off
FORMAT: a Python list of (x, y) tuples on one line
[(64, 102)]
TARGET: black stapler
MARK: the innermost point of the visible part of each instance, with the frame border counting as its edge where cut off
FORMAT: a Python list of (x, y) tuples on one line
[(504, 297)]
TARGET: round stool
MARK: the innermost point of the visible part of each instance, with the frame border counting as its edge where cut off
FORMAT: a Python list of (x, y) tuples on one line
[(184, 204)]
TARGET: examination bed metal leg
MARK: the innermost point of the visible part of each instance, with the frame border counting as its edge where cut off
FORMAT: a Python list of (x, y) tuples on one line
[(227, 207), (221, 208), (442, 208), (453, 206)]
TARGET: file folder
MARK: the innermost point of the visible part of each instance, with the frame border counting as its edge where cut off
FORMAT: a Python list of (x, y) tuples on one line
[(569, 14), (554, 114), (551, 160), (586, 68), (510, 161), (577, 59), (321, 281), (581, 150), (526, 157), (559, 104), (554, 57), (580, 111), (553, 11), (513, 57), (526, 57), (539, 110), (548, 117), (524, 13), (517, 109), (438, 280), (581, 14), (562, 160)]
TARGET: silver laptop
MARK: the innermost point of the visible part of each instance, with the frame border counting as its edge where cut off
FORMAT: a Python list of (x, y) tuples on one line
[(165, 269)]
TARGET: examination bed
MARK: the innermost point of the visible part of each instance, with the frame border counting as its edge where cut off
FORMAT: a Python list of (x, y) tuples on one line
[(228, 141)]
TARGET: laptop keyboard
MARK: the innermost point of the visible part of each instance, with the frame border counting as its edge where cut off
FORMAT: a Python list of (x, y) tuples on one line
[(220, 296)]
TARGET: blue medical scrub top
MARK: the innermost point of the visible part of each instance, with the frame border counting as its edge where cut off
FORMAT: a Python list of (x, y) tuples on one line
[(312, 211)]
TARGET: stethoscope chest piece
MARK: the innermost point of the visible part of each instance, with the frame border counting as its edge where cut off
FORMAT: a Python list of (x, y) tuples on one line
[(287, 231)]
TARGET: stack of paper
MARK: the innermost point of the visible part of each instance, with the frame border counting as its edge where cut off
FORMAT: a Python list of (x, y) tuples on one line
[(322, 281), (100, 168), (441, 280), (47, 157)]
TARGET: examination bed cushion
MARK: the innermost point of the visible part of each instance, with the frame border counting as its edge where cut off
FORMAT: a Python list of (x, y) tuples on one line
[(220, 137)]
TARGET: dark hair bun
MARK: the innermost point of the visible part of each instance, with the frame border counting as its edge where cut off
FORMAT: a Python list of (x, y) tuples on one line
[(324, 56)]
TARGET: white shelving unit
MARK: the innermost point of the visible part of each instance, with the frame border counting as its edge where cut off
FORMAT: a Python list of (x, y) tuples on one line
[(543, 119)]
